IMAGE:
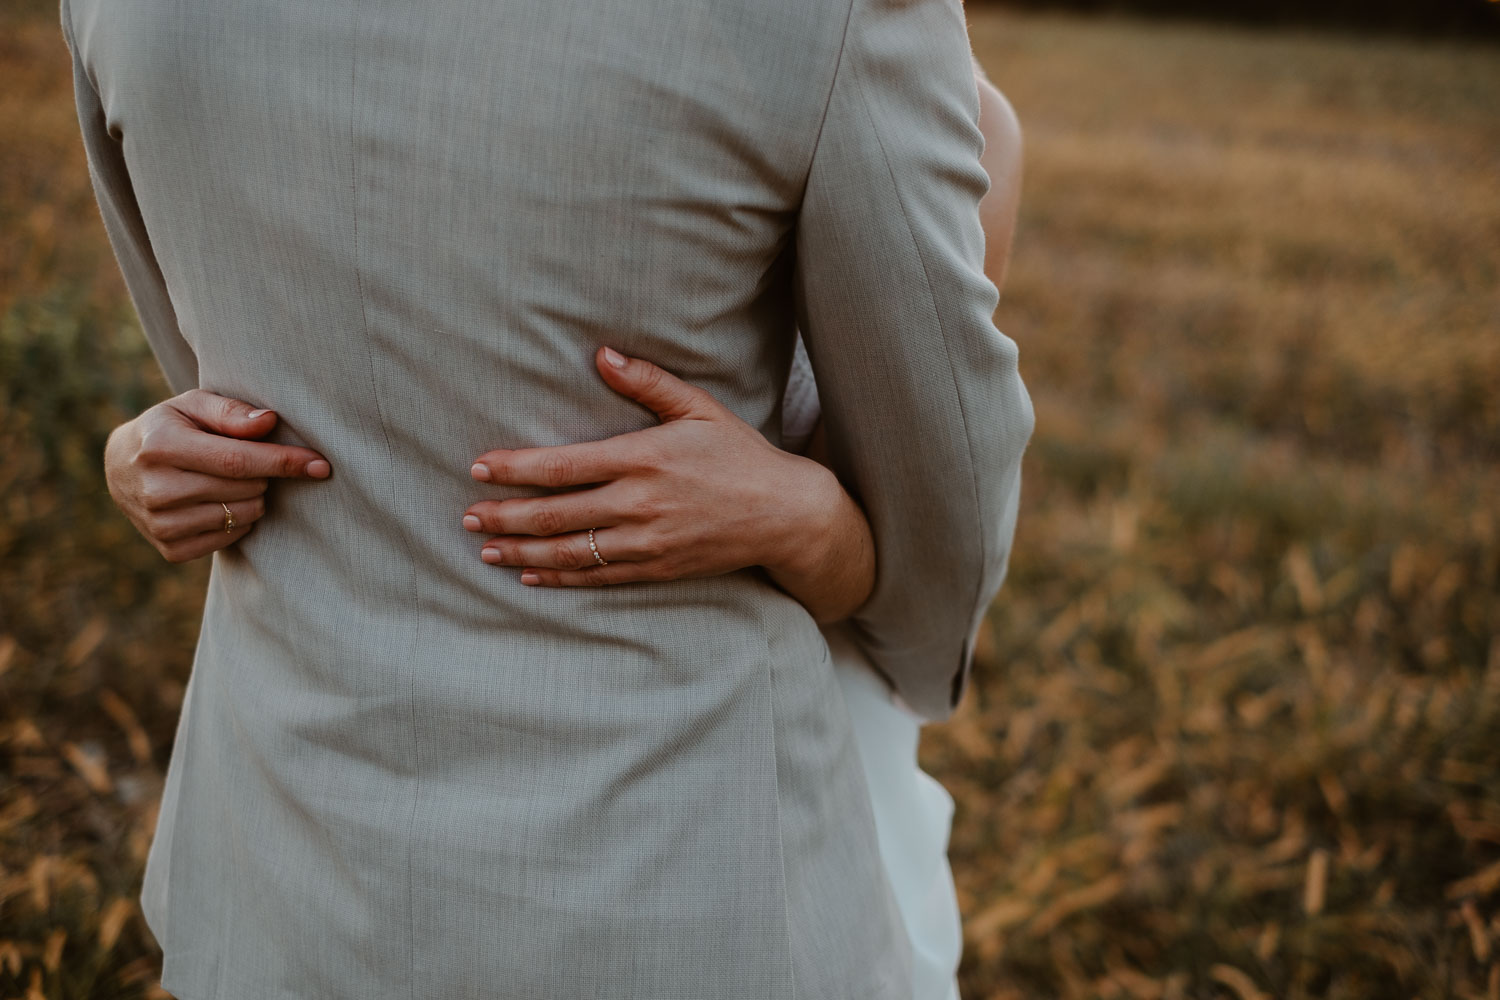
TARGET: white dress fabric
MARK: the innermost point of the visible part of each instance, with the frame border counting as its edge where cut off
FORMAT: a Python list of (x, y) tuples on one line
[(913, 812)]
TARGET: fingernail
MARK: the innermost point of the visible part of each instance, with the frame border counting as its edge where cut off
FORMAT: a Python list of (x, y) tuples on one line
[(471, 522), (531, 578), (256, 413), (614, 357), (480, 472), (489, 555), (318, 469)]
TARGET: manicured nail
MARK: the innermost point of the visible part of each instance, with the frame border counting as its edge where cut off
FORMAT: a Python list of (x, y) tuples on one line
[(531, 578), (480, 472), (318, 469), (614, 357), (490, 555), (471, 522), (256, 413)]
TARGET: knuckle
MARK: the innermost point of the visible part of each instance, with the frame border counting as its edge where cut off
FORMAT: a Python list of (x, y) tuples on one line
[(564, 555), (152, 448), (654, 455), (224, 407), (648, 508), (651, 377), (595, 576), (546, 521), (152, 496), (232, 463), (654, 546), (557, 470), (149, 524)]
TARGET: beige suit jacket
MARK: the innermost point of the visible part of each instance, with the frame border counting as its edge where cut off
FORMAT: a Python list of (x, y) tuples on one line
[(406, 227)]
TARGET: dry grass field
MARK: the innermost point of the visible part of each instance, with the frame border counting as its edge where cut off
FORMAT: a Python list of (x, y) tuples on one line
[(1235, 730)]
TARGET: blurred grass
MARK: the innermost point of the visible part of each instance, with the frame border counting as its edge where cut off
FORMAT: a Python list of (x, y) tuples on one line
[(1235, 731), (1237, 727)]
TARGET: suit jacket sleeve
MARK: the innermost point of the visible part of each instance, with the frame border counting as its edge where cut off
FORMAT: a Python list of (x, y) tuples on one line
[(125, 226), (925, 412)]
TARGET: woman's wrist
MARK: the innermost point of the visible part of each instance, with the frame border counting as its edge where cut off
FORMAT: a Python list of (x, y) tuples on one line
[(825, 555)]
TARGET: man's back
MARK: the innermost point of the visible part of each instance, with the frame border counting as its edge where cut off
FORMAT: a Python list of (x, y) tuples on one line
[(406, 228)]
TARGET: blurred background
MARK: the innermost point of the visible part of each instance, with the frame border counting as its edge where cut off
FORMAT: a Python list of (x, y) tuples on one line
[(1235, 725)]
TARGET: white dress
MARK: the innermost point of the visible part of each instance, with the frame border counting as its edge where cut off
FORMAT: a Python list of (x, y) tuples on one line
[(913, 813)]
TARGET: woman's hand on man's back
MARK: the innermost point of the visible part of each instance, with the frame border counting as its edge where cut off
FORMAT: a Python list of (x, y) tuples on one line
[(699, 494), (175, 469)]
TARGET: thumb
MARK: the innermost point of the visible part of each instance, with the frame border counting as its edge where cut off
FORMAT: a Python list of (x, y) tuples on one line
[(224, 415), (666, 395)]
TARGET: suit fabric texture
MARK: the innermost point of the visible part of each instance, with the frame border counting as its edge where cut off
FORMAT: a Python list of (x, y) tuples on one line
[(406, 228)]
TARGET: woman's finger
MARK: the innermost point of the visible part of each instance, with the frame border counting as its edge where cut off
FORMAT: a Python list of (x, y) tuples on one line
[(594, 576), (663, 393), (180, 447), (181, 488), (197, 546), (560, 465), (551, 515), (570, 551), (185, 522), (224, 414)]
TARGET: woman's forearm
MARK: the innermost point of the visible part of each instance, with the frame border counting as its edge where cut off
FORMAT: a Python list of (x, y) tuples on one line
[(1001, 159), (826, 559)]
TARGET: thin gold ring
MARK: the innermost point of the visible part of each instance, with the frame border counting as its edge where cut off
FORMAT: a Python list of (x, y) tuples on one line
[(228, 518), (595, 550)]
